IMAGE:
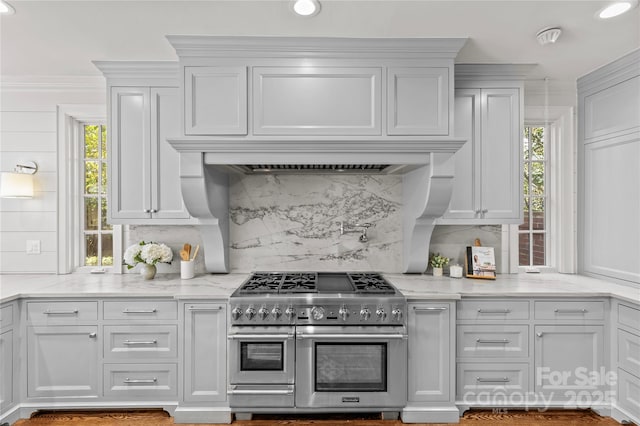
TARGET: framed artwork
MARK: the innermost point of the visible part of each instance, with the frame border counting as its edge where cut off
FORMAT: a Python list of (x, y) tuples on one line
[(481, 262)]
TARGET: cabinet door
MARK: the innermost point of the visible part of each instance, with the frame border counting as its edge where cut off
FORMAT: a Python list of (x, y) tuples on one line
[(465, 198), (6, 369), (501, 157), (564, 356), (166, 202), (316, 101), (418, 101), (129, 188), (205, 350), (62, 361), (429, 344), (215, 100)]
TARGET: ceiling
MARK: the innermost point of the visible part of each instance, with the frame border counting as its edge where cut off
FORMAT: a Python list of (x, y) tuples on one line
[(61, 38)]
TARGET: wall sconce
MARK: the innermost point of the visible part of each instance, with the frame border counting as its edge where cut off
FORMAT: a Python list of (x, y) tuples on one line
[(19, 183)]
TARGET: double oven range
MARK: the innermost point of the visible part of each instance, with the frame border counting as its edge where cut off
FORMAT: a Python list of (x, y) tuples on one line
[(317, 341)]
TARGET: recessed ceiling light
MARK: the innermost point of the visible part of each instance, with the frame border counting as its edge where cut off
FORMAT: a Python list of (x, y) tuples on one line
[(306, 7), (6, 8), (617, 8)]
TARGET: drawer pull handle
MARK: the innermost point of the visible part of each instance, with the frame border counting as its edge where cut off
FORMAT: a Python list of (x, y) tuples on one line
[(494, 311), (259, 392), (439, 308), (72, 312), (493, 379), (196, 308), (503, 341), (140, 342), (570, 311), (139, 311), (139, 381)]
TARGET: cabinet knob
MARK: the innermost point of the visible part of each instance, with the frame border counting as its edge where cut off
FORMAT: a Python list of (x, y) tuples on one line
[(484, 211), (539, 334), (154, 210), (93, 335), (147, 210)]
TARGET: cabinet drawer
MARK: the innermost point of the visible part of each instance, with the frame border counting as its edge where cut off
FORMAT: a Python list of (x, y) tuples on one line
[(141, 310), (629, 316), (493, 341), (61, 312), (473, 378), (629, 352), (479, 310), (135, 342), (6, 316), (569, 310), (628, 391), (140, 381)]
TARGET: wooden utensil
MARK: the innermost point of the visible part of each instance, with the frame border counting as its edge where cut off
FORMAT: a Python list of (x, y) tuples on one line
[(195, 253), (184, 255), (187, 248)]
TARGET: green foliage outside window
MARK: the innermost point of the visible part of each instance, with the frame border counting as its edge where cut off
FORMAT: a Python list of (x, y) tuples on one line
[(534, 169)]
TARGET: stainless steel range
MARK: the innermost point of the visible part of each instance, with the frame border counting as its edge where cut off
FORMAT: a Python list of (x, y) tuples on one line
[(317, 341)]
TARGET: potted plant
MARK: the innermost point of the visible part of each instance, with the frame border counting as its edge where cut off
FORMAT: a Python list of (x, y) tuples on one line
[(148, 254), (437, 262)]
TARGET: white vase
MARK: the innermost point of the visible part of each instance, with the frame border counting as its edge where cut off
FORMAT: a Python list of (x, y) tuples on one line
[(147, 271), (437, 272)]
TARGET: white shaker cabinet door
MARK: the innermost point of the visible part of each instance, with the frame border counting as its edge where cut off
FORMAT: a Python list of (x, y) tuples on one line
[(215, 100), (564, 356), (62, 361), (165, 161), (6, 369), (418, 101), (500, 156), (205, 352), (129, 188)]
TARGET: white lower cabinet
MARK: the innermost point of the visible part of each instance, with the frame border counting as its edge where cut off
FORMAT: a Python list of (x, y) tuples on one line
[(565, 355), (431, 329), (62, 361), (140, 381), (6, 370), (627, 349)]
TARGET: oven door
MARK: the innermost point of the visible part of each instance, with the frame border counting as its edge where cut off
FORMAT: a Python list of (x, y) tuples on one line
[(261, 355), (351, 367)]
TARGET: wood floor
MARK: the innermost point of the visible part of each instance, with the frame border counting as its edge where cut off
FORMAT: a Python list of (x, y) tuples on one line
[(471, 418)]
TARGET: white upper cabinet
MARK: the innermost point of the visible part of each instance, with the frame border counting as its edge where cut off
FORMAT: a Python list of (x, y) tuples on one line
[(144, 173), (215, 100), (418, 101), (488, 168), (316, 101)]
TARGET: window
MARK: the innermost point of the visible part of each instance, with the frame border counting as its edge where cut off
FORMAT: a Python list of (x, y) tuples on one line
[(533, 241), (97, 234)]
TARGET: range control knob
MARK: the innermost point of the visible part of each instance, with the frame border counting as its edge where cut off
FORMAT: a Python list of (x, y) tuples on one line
[(263, 312), (317, 312), (250, 312), (290, 312), (236, 313), (381, 314), (365, 313), (344, 313), (276, 312), (397, 314)]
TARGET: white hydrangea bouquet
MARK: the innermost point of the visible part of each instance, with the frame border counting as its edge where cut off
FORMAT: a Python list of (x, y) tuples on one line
[(149, 253)]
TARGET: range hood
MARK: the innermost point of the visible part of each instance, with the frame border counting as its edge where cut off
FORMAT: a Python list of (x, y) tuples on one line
[(276, 87)]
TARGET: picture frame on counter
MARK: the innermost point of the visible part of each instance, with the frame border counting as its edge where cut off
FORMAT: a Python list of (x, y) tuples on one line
[(481, 262)]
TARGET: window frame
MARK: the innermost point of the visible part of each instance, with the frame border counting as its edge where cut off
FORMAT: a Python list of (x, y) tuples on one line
[(71, 121)]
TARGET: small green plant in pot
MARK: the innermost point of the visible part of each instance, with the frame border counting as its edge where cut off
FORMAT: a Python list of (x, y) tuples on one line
[(437, 262)]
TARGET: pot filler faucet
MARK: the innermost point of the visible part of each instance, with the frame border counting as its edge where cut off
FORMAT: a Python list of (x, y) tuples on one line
[(348, 229)]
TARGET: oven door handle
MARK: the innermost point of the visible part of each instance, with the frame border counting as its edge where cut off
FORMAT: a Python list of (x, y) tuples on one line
[(350, 336), (287, 336)]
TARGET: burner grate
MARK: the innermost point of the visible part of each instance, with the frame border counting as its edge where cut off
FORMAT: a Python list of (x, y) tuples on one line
[(370, 283), (299, 282), (262, 282)]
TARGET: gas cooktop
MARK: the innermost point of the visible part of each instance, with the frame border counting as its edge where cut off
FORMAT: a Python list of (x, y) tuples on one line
[(314, 298), (315, 282)]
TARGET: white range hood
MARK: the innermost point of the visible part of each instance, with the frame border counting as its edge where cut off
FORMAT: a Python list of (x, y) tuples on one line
[(402, 96)]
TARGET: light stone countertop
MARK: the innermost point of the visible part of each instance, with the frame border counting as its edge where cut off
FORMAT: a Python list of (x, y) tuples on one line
[(209, 286)]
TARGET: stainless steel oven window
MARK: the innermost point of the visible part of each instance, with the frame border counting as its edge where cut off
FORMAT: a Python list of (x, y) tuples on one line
[(261, 356), (350, 367)]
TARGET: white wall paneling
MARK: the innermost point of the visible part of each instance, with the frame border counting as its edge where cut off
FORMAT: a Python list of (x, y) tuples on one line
[(28, 141), (16, 241), (19, 121)]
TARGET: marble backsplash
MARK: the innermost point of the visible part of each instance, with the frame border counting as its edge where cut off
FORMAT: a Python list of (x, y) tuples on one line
[(292, 222)]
